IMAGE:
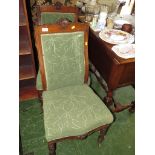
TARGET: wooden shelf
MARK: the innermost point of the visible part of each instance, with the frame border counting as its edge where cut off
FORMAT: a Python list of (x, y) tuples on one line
[(26, 72), (24, 47), (28, 93), (22, 20), (24, 51), (24, 42)]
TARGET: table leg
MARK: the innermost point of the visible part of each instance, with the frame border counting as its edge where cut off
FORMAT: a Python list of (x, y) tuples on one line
[(108, 99)]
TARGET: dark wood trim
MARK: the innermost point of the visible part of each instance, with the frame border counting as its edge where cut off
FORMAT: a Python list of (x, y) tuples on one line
[(40, 57), (26, 72), (52, 148), (26, 93)]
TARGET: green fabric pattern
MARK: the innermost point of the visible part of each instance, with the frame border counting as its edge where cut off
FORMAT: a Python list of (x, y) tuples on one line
[(53, 17), (63, 59), (73, 111)]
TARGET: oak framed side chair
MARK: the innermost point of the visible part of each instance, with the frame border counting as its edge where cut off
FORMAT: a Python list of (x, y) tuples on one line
[(71, 109), (49, 14)]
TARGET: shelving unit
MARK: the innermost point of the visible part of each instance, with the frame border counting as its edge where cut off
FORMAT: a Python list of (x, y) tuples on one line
[(27, 72)]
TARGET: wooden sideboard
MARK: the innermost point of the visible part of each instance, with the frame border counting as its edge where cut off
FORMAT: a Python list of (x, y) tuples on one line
[(116, 71)]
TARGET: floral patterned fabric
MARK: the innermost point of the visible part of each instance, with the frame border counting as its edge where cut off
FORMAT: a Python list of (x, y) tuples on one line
[(63, 59), (73, 111)]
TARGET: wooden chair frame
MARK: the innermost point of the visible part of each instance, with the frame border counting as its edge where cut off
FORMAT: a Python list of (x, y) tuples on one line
[(54, 28), (71, 27), (56, 8)]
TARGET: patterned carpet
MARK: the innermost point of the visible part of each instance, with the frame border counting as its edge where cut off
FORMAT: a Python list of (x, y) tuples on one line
[(120, 138)]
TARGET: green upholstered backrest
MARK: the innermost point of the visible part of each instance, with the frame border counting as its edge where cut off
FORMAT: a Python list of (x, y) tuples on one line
[(53, 17), (63, 59)]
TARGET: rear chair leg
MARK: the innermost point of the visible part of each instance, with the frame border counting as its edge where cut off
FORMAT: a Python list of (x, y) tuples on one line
[(52, 148)]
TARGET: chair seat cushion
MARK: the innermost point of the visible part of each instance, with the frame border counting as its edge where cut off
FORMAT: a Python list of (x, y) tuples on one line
[(73, 111)]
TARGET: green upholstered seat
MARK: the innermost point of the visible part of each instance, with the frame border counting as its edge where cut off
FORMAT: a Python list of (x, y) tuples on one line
[(53, 17), (73, 111)]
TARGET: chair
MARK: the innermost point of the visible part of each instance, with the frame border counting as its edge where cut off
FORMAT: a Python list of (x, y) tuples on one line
[(53, 13), (71, 109)]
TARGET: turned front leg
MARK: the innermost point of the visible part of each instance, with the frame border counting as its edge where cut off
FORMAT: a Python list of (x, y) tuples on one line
[(102, 134), (109, 98), (52, 148)]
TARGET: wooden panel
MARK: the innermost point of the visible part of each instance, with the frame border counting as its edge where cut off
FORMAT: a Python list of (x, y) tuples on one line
[(27, 83), (26, 72), (24, 51), (98, 56), (25, 60), (28, 93), (22, 19), (128, 74), (24, 45)]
